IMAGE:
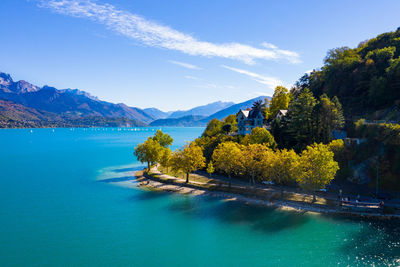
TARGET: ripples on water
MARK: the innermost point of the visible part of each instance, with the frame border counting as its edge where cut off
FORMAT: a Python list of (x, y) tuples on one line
[(369, 243), (58, 207)]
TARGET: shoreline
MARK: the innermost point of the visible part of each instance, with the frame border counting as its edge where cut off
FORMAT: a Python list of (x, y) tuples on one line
[(149, 182)]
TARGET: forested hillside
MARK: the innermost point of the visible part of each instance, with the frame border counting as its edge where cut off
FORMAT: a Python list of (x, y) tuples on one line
[(366, 79)]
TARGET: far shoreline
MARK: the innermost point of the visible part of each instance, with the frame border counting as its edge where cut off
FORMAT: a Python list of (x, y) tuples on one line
[(94, 127)]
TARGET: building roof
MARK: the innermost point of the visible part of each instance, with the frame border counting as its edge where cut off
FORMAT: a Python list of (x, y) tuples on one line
[(250, 114), (283, 111), (245, 112)]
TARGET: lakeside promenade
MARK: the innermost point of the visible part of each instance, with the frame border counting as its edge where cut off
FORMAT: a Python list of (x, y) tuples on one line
[(269, 195)]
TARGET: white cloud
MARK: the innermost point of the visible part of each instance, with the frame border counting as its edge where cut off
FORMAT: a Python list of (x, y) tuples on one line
[(157, 35), (185, 65), (192, 77), (209, 85), (269, 81)]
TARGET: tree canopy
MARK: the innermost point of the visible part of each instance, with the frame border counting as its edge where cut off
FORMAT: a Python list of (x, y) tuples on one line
[(365, 78), (227, 157), (148, 152), (188, 159), (280, 100), (254, 160), (165, 140), (259, 136), (318, 167)]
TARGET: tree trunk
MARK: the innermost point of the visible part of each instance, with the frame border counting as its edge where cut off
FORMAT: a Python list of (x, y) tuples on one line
[(148, 165), (314, 198), (229, 176), (187, 177)]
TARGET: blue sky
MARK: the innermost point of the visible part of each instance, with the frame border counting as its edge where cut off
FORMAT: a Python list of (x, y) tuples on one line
[(178, 54)]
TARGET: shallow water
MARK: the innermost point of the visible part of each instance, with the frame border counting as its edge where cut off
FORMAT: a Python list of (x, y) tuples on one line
[(60, 205)]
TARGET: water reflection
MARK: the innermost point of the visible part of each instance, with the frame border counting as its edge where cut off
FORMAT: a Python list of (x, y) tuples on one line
[(372, 243), (263, 219)]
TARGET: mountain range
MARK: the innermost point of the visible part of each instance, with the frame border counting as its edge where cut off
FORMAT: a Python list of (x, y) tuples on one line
[(192, 120), (23, 104)]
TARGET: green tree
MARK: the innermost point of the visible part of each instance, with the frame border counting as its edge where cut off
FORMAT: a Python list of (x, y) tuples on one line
[(253, 160), (227, 128), (327, 118), (340, 117), (382, 58), (365, 78), (300, 119), (149, 152), (214, 127), (284, 167), (280, 100), (259, 136), (227, 158), (165, 157), (165, 140), (231, 120), (258, 105), (337, 147), (210, 168), (318, 167), (188, 159)]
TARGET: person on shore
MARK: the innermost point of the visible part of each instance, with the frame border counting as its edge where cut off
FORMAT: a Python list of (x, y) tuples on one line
[(340, 197)]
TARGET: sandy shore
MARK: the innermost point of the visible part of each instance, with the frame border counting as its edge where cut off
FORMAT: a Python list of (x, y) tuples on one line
[(153, 184)]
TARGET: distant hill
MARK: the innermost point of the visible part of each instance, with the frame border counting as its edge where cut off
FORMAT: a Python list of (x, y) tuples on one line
[(71, 103), (156, 114), (186, 121), (13, 115), (205, 110), (201, 120), (26, 105), (233, 109)]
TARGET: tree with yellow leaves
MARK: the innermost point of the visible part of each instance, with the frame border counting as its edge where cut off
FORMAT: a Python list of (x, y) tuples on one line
[(253, 160), (284, 166), (280, 100), (260, 136), (228, 158), (149, 152), (210, 168), (188, 159), (318, 167), (165, 157), (165, 140)]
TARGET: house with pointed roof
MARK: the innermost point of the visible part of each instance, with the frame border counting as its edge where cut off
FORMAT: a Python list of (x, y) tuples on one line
[(248, 120), (281, 113)]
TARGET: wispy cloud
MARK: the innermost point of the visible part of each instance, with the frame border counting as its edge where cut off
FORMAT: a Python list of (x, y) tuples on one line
[(192, 77), (207, 84), (269, 81), (185, 65), (154, 34)]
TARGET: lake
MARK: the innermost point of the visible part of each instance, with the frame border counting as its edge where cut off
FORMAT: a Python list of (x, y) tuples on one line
[(59, 206)]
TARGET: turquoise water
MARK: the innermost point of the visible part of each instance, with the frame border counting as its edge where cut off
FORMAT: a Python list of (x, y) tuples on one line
[(54, 211)]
